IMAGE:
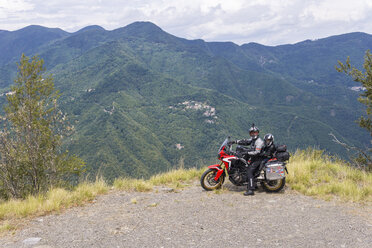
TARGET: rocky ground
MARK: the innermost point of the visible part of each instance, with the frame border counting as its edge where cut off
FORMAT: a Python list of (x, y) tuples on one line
[(192, 217)]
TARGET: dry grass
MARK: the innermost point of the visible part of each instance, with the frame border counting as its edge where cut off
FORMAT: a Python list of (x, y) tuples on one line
[(58, 199), (6, 226), (55, 200), (174, 178), (129, 184), (313, 173), (310, 172)]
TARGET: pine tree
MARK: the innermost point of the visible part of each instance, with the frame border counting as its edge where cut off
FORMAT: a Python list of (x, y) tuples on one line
[(364, 157), (30, 143)]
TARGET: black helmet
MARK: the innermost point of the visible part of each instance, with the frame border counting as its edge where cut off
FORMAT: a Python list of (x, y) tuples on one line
[(254, 129), (269, 139)]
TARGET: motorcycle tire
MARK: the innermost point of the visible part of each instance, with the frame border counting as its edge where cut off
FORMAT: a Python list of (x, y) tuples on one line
[(207, 180), (274, 185)]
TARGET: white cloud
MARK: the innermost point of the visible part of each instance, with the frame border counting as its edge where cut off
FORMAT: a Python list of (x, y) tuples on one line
[(15, 5), (336, 10), (265, 21)]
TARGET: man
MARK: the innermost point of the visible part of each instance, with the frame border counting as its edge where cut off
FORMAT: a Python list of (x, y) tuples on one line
[(256, 145)]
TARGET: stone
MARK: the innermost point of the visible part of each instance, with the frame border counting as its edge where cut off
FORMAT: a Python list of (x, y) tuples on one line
[(31, 241)]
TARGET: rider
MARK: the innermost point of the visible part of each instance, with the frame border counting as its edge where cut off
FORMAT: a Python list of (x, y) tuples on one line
[(256, 145), (269, 149)]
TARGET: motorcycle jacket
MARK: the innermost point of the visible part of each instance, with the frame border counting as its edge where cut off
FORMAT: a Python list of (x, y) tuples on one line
[(244, 142), (256, 146), (269, 151)]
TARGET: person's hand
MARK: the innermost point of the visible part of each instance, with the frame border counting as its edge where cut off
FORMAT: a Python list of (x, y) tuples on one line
[(232, 153)]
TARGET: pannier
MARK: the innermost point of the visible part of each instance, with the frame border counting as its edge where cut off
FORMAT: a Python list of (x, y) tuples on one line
[(282, 156), (281, 148), (274, 171)]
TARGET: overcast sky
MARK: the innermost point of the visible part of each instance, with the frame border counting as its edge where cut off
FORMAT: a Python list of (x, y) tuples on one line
[(269, 22)]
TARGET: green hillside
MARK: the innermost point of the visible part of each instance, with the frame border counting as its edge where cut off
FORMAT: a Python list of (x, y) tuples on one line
[(143, 100)]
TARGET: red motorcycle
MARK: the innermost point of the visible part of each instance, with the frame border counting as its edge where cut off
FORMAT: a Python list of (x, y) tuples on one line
[(270, 175)]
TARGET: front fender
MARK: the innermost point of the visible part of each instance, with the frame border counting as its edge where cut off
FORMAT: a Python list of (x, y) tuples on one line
[(219, 170), (215, 166)]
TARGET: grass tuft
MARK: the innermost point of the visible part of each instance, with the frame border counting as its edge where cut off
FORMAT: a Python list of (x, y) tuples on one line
[(176, 178), (4, 227), (313, 173), (129, 184), (55, 200), (152, 205)]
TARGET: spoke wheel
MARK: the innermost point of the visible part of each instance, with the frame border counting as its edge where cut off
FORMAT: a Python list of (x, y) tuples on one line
[(274, 185), (207, 180)]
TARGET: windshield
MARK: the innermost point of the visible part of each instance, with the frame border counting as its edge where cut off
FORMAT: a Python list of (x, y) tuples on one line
[(224, 144)]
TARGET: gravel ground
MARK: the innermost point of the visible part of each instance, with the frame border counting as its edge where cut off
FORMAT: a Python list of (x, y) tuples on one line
[(193, 217)]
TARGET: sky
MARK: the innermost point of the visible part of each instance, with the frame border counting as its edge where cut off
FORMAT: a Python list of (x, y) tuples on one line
[(268, 22)]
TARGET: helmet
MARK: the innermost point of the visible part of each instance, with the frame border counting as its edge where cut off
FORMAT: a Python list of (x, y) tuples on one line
[(254, 129), (269, 139)]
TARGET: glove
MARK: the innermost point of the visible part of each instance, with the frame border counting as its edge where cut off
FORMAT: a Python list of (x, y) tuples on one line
[(233, 153), (251, 153), (248, 141), (231, 142)]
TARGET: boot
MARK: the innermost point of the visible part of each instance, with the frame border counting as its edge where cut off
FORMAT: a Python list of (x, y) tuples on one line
[(250, 188), (249, 192)]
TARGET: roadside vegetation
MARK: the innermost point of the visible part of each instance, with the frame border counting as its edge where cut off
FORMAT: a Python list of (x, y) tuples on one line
[(58, 199), (178, 178), (364, 156), (32, 159), (311, 172)]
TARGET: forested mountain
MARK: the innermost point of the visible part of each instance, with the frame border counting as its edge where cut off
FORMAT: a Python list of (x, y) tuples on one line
[(143, 100)]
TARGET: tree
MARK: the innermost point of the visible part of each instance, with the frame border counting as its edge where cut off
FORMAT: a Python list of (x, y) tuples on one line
[(364, 156), (31, 159)]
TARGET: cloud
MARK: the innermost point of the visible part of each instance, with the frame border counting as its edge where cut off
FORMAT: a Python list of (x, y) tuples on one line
[(338, 10), (269, 22), (10, 6)]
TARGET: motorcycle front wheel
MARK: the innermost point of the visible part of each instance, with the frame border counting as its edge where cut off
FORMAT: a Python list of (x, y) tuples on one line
[(207, 180), (273, 185)]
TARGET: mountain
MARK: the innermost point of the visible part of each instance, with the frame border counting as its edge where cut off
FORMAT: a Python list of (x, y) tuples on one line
[(25, 40), (143, 100)]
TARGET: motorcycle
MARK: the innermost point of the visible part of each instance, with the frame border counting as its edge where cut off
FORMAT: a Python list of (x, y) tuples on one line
[(270, 175)]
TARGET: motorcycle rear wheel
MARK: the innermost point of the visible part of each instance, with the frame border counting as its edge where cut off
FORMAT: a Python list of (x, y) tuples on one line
[(273, 185), (207, 180)]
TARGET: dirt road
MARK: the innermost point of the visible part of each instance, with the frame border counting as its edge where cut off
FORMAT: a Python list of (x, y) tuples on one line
[(193, 217)]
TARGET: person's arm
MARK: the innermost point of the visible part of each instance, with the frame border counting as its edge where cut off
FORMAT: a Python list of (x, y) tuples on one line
[(268, 152), (259, 145), (244, 142)]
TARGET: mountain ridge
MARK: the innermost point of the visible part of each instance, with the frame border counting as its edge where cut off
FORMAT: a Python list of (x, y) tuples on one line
[(141, 99), (150, 25)]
